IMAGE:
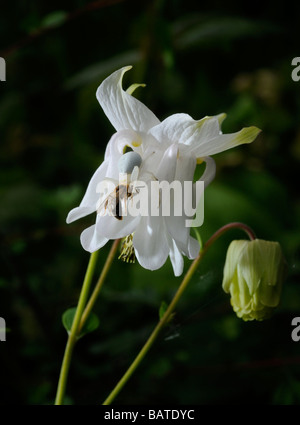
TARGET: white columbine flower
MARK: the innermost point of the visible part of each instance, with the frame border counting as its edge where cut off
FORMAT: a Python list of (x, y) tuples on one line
[(169, 151)]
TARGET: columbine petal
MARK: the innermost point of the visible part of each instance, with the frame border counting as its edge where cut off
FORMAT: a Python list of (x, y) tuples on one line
[(190, 249), (112, 228), (91, 239), (122, 109), (177, 229), (182, 128), (226, 141), (176, 224), (203, 137), (210, 170), (185, 169), (176, 258), (115, 149), (89, 201), (167, 166), (193, 248), (150, 243)]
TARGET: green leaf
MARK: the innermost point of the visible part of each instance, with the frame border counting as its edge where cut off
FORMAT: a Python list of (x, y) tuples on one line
[(162, 309), (90, 325), (67, 318)]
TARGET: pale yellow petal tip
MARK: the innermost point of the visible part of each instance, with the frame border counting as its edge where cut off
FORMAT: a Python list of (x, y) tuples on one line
[(123, 70), (221, 117), (248, 134), (133, 87)]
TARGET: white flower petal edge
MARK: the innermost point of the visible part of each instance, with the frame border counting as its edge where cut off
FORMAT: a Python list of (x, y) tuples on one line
[(182, 128), (89, 201), (122, 109), (176, 258), (210, 170), (91, 240)]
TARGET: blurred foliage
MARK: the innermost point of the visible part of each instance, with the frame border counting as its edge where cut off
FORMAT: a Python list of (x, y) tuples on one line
[(198, 58)]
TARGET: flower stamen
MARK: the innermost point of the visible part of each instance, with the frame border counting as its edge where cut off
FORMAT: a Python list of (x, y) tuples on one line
[(127, 250)]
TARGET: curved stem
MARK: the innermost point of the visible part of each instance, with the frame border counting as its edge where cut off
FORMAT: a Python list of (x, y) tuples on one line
[(229, 226), (156, 331), (72, 338), (173, 304)]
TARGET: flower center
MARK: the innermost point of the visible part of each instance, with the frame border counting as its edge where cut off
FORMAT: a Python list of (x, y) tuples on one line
[(127, 250)]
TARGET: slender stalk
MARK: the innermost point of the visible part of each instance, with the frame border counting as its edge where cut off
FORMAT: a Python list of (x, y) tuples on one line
[(99, 284), (72, 338), (82, 313), (156, 331), (229, 226), (173, 304)]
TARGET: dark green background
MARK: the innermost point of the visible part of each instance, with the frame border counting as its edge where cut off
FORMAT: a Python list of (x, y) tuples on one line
[(205, 59)]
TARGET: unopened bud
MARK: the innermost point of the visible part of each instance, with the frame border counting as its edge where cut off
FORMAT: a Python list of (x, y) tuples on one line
[(253, 275)]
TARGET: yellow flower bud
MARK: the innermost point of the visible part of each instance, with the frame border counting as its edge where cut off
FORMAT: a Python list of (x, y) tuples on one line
[(253, 275)]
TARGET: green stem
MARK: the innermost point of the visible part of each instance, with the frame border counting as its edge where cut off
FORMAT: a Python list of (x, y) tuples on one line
[(156, 331), (99, 284), (72, 338), (174, 302), (229, 226)]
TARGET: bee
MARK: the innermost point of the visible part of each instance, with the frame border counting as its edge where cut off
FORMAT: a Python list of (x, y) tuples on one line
[(116, 202)]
